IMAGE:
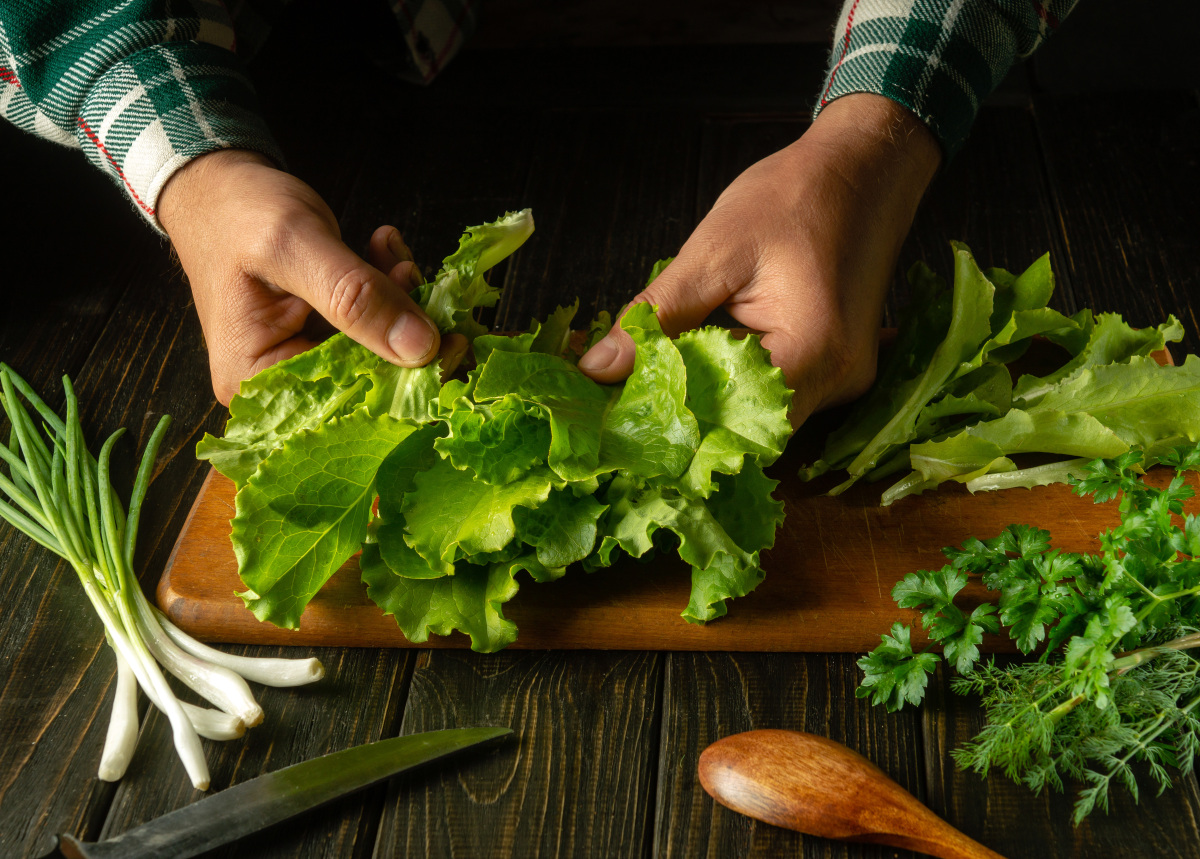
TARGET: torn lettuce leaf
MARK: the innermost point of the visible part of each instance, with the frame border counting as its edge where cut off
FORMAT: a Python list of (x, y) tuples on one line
[(305, 511), (459, 287)]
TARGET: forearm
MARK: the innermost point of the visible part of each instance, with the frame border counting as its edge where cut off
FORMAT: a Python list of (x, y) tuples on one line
[(141, 88)]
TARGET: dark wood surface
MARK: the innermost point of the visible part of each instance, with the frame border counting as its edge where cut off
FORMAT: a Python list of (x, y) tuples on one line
[(619, 152), (828, 586)]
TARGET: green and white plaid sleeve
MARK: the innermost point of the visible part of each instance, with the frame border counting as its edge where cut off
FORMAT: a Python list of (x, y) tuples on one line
[(141, 86), (938, 58)]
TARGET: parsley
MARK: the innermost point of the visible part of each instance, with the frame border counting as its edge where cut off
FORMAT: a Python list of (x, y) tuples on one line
[(1113, 683)]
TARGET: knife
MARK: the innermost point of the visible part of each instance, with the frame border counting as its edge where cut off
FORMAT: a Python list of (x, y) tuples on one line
[(274, 797)]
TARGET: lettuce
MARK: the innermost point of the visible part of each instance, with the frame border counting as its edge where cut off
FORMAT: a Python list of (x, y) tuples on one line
[(527, 466), (946, 406)]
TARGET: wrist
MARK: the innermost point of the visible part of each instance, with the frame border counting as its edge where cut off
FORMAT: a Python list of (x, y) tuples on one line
[(875, 139), (195, 182)]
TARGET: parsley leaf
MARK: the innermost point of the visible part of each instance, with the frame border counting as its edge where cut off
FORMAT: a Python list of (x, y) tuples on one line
[(896, 676)]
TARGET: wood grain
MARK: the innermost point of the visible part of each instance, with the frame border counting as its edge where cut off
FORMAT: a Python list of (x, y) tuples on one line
[(827, 588), (578, 779), (707, 696)]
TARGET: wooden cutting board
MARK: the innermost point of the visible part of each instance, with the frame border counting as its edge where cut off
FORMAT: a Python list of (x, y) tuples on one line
[(827, 588)]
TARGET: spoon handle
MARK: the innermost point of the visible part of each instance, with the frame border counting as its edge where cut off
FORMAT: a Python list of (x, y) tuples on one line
[(819, 787)]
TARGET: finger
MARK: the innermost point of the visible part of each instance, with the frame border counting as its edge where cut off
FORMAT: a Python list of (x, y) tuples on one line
[(451, 353), (245, 322), (823, 372), (357, 298), (685, 293), (406, 275), (386, 248)]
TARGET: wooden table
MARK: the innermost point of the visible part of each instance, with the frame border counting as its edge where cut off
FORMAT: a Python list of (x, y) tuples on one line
[(619, 152)]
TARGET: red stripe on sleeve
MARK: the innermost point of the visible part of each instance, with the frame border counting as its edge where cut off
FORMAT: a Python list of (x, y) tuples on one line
[(95, 138), (842, 56)]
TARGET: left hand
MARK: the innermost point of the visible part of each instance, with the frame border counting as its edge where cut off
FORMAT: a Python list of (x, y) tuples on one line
[(271, 276)]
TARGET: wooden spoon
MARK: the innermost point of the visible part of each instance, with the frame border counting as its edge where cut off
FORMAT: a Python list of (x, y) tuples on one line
[(819, 787)]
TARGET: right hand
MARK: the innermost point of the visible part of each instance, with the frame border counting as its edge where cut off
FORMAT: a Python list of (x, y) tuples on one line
[(801, 247), (262, 251)]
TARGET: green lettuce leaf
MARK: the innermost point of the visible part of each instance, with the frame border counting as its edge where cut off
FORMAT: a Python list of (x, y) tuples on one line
[(498, 442), (471, 601), (553, 336), (1098, 413), (740, 410), (649, 429), (563, 530), (641, 426), (297, 394), (574, 405), (1111, 340), (720, 539), (969, 331), (404, 392), (944, 402), (459, 288), (923, 325), (450, 516), (305, 511)]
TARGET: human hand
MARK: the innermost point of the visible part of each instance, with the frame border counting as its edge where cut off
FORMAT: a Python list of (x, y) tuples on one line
[(262, 250), (801, 247)]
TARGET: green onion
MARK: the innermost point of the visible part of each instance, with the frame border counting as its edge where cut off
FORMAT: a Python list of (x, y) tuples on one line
[(60, 495)]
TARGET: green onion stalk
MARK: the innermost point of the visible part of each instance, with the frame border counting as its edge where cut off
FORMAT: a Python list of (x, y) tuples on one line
[(60, 495)]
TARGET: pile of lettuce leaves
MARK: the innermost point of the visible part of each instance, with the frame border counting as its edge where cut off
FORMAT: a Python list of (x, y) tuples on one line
[(946, 406), (452, 491)]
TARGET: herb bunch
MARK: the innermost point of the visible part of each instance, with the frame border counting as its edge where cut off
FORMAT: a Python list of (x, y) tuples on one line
[(1114, 682)]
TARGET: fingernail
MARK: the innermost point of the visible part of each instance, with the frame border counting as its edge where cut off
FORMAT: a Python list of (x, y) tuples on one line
[(411, 337), (397, 246), (415, 277), (599, 356)]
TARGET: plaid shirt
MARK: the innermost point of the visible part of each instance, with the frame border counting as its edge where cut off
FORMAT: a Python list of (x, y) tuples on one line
[(938, 58), (145, 86)]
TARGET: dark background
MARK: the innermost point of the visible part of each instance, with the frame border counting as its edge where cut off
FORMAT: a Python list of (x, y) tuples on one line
[(619, 127)]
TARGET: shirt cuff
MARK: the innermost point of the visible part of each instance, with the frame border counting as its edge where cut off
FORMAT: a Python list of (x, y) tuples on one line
[(938, 59), (163, 106)]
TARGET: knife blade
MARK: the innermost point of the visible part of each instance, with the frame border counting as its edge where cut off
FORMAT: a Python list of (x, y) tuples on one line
[(276, 796)]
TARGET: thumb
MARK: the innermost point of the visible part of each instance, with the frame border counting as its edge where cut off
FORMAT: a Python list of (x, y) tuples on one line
[(359, 299), (685, 293)]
